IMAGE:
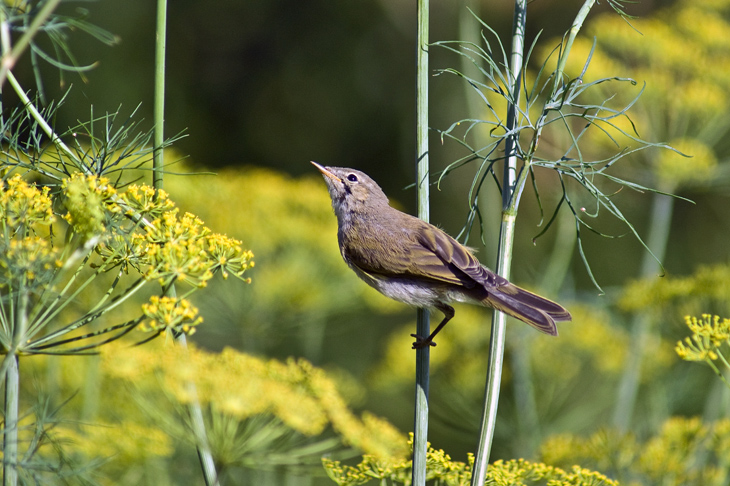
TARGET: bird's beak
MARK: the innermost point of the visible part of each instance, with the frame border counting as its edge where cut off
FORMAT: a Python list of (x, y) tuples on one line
[(326, 172)]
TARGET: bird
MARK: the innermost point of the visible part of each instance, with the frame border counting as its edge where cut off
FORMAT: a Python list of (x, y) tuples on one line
[(414, 262)]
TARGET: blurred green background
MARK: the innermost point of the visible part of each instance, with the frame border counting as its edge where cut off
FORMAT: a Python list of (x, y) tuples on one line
[(261, 88)]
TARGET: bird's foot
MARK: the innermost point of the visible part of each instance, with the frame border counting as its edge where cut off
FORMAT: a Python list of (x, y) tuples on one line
[(422, 342)]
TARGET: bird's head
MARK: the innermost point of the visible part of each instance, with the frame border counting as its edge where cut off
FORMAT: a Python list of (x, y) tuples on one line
[(352, 191)]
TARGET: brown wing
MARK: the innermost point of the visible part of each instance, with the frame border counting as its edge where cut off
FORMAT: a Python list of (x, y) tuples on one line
[(423, 252), (460, 259)]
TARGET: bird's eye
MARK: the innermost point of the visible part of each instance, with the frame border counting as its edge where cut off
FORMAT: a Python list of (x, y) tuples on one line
[(352, 178)]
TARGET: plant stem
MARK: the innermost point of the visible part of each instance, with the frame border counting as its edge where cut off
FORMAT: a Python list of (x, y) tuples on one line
[(159, 102), (12, 391), (572, 34), (420, 427), (194, 409), (10, 434), (9, 58), (199, 431), (504, 260)]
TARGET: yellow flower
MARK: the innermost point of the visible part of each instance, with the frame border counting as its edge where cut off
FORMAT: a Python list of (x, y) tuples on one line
[(169, 313), (89, 204), (146, 201), (708, 334), (28, 260), (24, 204), (674, 169)]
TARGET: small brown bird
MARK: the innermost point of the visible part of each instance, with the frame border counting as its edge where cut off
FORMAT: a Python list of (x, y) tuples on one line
[(414, 262)]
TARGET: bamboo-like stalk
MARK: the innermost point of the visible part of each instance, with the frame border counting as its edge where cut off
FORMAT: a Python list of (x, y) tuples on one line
[(194, 409), (420, 426), (510, 199)]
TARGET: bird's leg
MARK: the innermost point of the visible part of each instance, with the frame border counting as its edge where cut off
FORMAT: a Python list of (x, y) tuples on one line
[(422, 342)]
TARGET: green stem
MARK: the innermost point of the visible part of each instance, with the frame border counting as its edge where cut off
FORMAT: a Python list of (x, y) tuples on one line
[(194, 409), (10, 434), (38, 117), (198, 426), (572, 33), (159, 108), (510, 199), (12, 391), (420, 428), (10, 58)]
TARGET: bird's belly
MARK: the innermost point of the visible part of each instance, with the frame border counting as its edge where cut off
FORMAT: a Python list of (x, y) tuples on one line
[(411, 291)]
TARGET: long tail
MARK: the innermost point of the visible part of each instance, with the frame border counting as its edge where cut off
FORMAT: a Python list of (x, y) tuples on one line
[(539, 312)]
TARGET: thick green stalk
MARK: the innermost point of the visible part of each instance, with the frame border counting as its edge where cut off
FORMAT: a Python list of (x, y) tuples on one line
[(159, 102), (12, 391), (420, 427), (194, 409), (10, 434), (504, 258)]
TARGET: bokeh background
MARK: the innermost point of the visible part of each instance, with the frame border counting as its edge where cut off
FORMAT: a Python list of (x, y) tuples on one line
[(261, 88)]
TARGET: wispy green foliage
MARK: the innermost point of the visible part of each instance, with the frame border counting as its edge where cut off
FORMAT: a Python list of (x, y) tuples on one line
[(563, 108), (678, 53), (709, 343)]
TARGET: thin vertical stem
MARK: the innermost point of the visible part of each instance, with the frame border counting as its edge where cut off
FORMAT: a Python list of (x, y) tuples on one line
[(10, 434), (420, 427), (12, 392), (199, 431), (159, 103), (504, 259), (194, 409)]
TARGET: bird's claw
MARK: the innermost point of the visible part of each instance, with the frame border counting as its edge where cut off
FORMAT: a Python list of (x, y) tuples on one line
[(422, 342)]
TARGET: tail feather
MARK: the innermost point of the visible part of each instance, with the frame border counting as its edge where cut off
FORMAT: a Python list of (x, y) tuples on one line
[(538, 312)]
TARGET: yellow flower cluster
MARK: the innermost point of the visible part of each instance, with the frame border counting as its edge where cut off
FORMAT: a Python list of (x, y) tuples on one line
[(88, 200), (23, 204), (127, 441), (183, 249), (443, 470), (28, 260), (711, 281), (672, 167), (170, 314), (146, 201), (681, 54), (25, 257), (685, 452), (708, 334), (163, 247), (237, 385)]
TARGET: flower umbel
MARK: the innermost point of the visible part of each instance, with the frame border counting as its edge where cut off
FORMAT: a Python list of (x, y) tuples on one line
[(708, 335), (226, 255), (24, 204), (27, 260), (89, 204), (170, 313)]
